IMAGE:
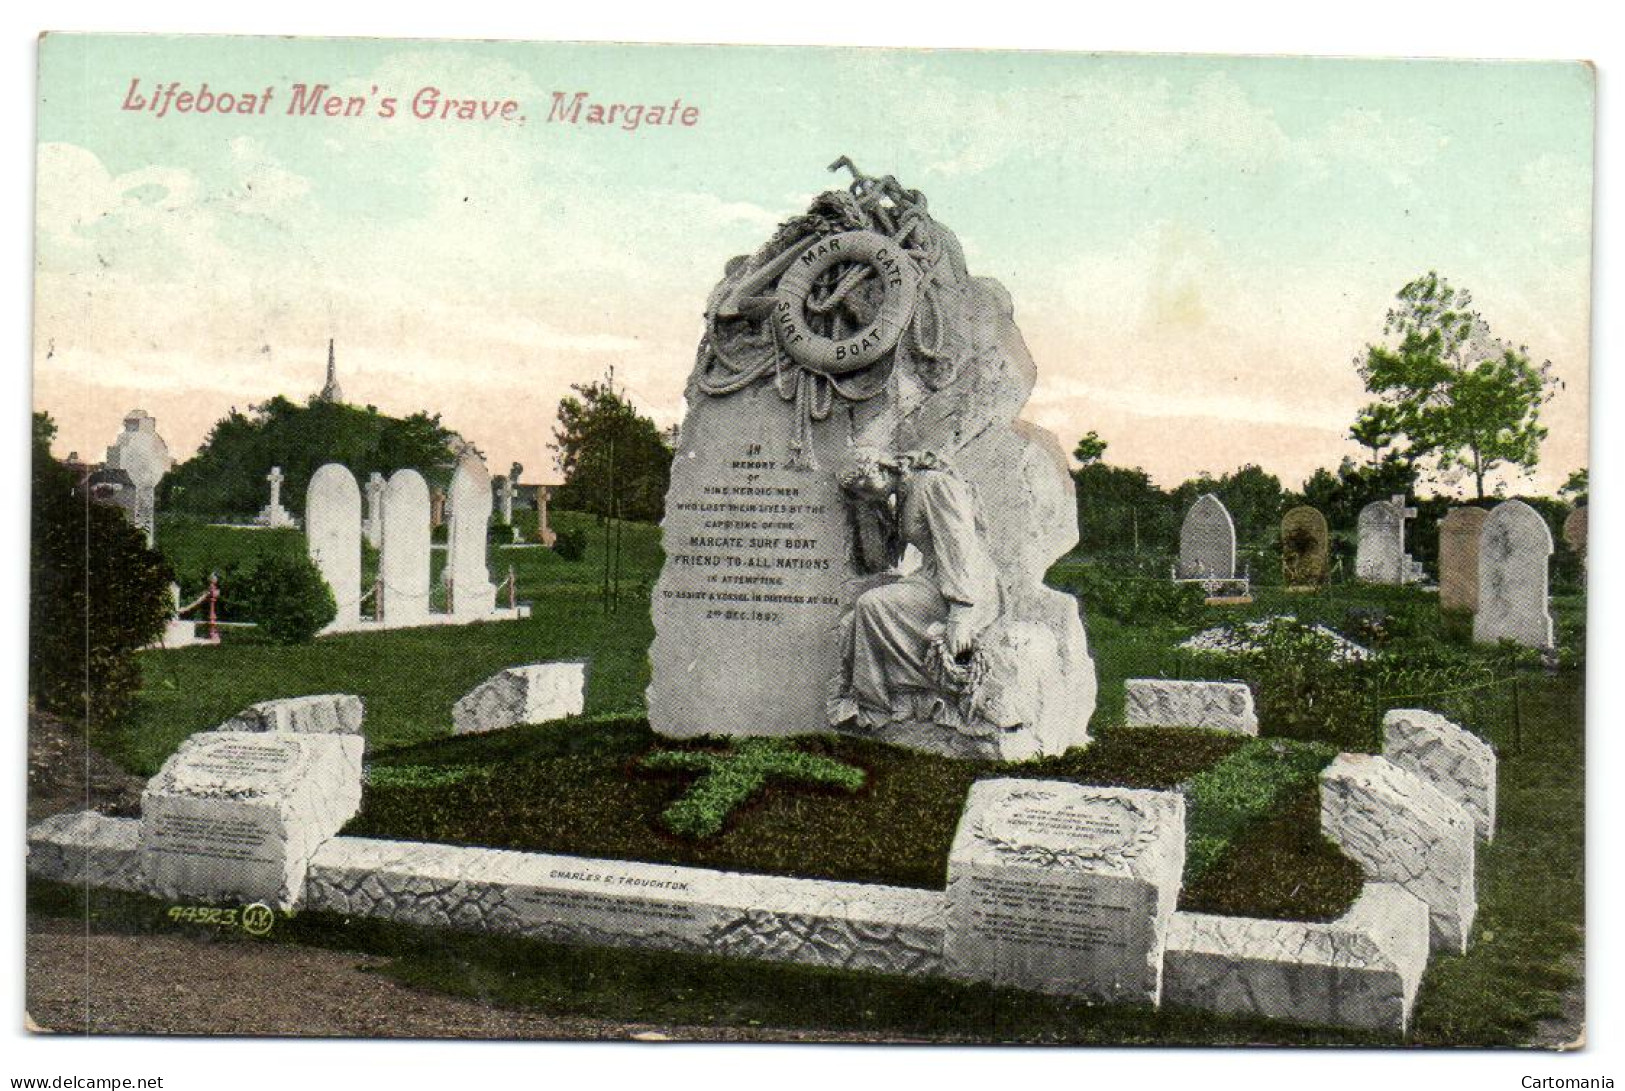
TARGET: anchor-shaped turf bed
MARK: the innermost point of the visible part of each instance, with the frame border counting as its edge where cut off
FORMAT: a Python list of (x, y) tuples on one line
[(730, 778)]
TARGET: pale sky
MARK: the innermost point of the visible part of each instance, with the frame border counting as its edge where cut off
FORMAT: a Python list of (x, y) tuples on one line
[(1197, 247)]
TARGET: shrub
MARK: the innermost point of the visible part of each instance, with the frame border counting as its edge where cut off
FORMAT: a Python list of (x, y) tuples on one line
[(1304, 691), (286, 597), (1137, 599), (96, 594), (570, 544)]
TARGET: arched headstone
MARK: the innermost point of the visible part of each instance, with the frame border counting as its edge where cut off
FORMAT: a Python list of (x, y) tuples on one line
[(404, 566), (333, 531), (1207, 541), (472, 593), (1576, 532), (1513, 563), (1304, 544), (1459, 535)]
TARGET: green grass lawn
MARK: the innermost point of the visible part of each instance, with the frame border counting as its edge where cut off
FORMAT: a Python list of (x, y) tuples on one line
[(574, 787)]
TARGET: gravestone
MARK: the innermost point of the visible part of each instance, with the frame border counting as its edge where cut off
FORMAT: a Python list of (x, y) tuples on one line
[(506, 488), (1380, 555), (1064, 888), (1513, 558), (544, 527), (1447, 756), (235, 816), (274, 515), (375, 510), (857, 328), (1459, 535), (1576, 533), (472, 593), (1401, 829), (530, 694), (437, 507), (1305, 542), (333, 533), (403, 566), (142, 454), (1164, 702), (316, 713), (1207, 541)]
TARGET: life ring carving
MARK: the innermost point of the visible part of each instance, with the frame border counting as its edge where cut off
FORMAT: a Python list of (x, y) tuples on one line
[(855, 351)]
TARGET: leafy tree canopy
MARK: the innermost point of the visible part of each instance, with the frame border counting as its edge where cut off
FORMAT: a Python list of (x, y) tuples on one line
[(227, 475), (615, 460), (1450, 388)]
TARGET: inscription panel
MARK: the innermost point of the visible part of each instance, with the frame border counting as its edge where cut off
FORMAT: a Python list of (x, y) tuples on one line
[(755, 577), (1064, 888)]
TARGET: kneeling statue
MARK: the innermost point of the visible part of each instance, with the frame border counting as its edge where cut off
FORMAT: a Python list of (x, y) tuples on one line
[(911, 642)]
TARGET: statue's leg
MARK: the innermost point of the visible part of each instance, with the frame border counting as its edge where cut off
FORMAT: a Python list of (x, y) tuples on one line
[(891, 629)]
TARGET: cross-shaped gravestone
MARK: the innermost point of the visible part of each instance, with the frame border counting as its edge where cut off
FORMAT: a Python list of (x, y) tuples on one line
[(731, 777), (275, 478), (1398, 501)]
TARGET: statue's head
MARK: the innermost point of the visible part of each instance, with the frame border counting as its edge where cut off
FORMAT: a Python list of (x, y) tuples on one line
[(869, 473)]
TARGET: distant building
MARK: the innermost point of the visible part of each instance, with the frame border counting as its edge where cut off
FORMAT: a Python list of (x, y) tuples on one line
[(331, 392)]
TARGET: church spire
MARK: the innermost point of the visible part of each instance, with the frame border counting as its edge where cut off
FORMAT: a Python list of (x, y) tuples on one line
[(331, 392)]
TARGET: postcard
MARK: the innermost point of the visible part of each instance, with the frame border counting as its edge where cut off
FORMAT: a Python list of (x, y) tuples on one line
[(807, 544)]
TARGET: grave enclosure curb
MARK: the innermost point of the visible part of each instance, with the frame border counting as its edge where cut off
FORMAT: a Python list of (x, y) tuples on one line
[(1032, 867)]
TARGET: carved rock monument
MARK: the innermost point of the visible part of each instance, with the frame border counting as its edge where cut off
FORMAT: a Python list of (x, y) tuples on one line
[(854, 349), (1305, 543)]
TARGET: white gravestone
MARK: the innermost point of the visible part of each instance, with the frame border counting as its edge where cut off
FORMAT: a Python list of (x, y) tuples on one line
[(317, 713), (1163, 702), (333, 533), (142, 454), (1361, 970), (1380, 555), (472, 593), (1064, 888), (1513, 561), (403, 567), (1451, 758), (274, 515), (1207, 541), (1401, 829), (531, 694), (236, 816), (375, 510)]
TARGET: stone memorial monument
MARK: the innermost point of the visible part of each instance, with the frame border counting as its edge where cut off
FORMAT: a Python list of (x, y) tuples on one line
[(472, 593), (375, 510), (1513, 558), (274, 515), (1064, 888), (437, 507), (143, 455), (1459, 534), (1304, 547), (1207, 541), (855, 506), (403, 566), (333, 532), (1380, 555)]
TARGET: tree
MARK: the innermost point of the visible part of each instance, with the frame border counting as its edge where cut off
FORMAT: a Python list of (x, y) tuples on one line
[(1450, 387), (615, 461), (1090, 449), (227, 475), (1577, 489), (96, 594)]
